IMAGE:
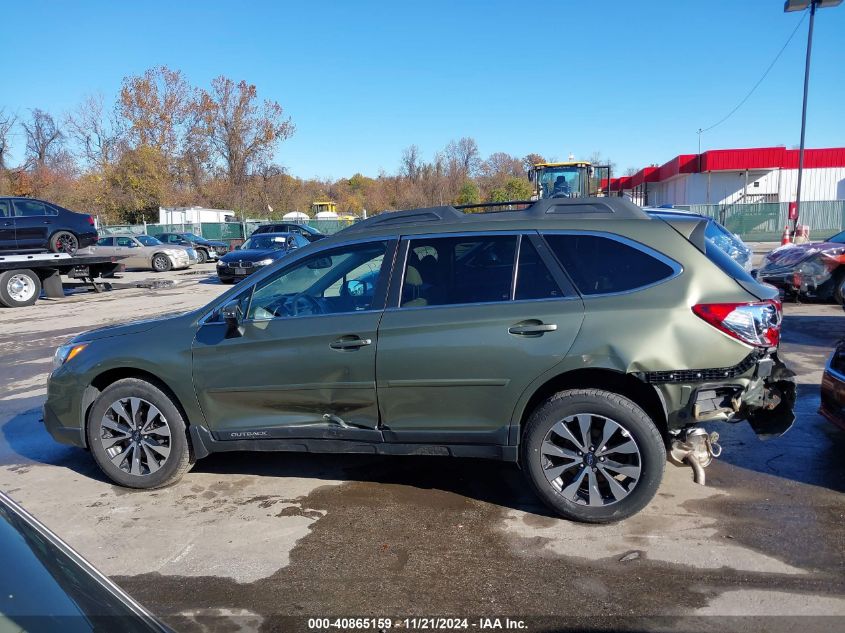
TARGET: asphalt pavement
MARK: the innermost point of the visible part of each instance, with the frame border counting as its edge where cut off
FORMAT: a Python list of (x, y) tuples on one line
[(245, 540)]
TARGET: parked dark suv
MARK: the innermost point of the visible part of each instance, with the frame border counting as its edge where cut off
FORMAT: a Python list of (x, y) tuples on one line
[(30, 225), (309, 233), (578, 337), (207, 250)]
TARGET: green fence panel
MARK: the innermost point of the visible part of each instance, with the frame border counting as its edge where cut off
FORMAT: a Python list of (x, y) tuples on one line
[(764, 222)]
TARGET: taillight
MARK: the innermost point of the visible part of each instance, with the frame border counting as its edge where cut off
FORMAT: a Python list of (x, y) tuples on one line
[(752, 323), (91, 220)]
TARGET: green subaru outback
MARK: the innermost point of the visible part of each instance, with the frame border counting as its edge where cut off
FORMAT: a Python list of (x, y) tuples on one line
[(579, 337)]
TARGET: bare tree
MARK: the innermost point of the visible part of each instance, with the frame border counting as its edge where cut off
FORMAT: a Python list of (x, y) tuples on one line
[(94, 133), (500, 164), (463, 156), (43, 138), (411, 163), (7, 123)]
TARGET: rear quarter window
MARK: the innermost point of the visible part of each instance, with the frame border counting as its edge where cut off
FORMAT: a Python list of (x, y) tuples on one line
[(603, 265)]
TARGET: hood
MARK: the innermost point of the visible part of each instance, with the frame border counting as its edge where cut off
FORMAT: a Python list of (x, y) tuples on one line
[(253, 254), (206, 242), (792, 254), (135, 327)]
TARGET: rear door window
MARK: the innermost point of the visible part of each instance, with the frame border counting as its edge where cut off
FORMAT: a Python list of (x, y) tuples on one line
[(603, 265), (458, 270), (27, 208), (4, 209)]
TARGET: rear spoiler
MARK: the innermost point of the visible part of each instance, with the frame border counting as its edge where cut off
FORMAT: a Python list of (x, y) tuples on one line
[(691, 228)]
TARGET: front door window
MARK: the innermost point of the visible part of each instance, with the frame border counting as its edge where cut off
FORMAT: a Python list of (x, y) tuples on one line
[(331, 282)]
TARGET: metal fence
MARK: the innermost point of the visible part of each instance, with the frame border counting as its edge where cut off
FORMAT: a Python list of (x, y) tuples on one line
[(764, 222), (225, 231), (759, 222)]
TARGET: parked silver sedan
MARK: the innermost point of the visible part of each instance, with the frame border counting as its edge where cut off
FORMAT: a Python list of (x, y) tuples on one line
[(145, 251)]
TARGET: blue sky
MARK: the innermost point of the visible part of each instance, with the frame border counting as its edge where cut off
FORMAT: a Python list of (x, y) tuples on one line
[(363, 80)]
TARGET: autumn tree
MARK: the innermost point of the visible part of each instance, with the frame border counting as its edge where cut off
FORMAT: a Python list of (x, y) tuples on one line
[(155, 107), (529, 160), (241, 132)]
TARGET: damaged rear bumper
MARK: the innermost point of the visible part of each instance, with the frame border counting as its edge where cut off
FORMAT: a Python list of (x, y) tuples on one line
[(761, 389)]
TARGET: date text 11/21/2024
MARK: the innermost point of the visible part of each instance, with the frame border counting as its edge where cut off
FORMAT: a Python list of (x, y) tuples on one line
[(417, 623)]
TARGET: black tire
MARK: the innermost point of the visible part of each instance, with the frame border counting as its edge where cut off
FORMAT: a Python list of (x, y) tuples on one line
[(19, 288), (598, 405), (64, 242), (839, 286), (161, 263), (202, 255), (173, 466)]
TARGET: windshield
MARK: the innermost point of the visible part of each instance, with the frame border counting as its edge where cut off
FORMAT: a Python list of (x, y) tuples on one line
[(560, 182), (190, 236), (263, 242), (147, 240)]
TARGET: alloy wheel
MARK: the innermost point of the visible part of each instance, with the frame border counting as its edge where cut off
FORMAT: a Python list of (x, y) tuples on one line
[(591, 459), (135, 436), (67, 243)]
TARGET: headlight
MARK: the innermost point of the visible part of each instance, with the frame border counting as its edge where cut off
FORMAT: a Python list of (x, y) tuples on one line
[(65, 352), (265, 262), (176, 253)]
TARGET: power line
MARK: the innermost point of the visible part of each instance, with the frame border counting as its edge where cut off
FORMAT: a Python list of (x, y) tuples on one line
[(759, 81)]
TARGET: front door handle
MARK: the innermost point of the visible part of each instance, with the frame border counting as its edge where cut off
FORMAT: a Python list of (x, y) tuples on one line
[(350, 342), (532, 328)]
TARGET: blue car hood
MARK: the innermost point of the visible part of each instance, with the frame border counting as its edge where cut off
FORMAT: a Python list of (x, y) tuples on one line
[(252, 255)]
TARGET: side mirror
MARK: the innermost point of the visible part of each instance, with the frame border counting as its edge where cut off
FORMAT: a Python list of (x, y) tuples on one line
[(357, 288), (232, 316)]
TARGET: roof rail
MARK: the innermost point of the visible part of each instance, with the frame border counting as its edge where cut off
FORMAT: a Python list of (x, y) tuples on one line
[(553, 208), (587, 208), (411, 216)]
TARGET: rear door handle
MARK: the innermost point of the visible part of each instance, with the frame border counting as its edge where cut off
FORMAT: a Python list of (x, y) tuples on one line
[(537, 328), (350, 342)]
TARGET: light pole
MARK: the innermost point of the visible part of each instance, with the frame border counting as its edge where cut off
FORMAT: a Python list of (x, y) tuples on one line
[(800, 5)]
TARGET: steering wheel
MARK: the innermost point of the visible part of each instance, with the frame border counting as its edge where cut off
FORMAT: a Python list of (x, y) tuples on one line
[(292, 305)]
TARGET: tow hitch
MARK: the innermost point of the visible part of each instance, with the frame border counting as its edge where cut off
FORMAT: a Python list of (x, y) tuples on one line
[(697, 449)]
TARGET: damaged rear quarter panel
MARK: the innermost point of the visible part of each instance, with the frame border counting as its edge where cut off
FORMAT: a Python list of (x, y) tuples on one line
[(654, 329)]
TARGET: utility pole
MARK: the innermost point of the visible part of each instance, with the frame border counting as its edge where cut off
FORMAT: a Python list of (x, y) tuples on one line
[(788, 7)]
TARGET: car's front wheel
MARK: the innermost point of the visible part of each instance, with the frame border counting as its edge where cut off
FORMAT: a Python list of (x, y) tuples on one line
[(592, 455), (137, 435), (202, 256), (161, 263)]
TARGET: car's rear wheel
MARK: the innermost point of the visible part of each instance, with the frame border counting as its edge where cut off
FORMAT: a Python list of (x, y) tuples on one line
[(592, 455), (137, 435), (19, 288), (64, 242), (161, 263), (202, 256)]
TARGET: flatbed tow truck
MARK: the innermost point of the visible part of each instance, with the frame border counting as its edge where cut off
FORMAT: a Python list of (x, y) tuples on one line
[(23, 277)]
